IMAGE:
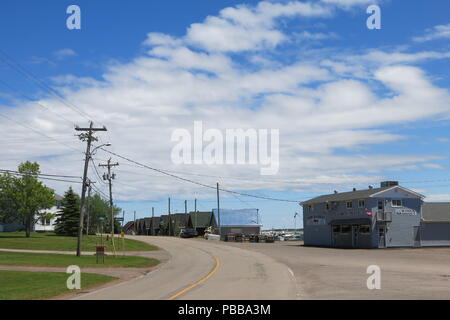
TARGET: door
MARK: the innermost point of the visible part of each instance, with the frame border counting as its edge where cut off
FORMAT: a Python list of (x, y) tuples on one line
[(416, 237), (355, 233), (381, 237)]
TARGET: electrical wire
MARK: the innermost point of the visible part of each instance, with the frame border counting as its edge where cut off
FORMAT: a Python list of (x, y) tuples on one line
[(13, 64), (196, 182), (38, 132)]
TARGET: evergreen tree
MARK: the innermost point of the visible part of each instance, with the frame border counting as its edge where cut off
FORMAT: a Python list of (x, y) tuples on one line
[(69, 215)]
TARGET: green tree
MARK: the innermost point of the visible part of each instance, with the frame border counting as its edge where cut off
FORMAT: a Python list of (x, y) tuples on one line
[(99, 208), (8, 209), (23, 197), (69, 215)]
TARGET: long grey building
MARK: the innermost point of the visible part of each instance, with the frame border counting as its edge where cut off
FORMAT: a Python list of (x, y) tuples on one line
[(388, 216)]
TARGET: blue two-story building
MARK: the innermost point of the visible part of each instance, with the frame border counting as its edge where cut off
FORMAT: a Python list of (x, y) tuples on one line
[(388, 216)]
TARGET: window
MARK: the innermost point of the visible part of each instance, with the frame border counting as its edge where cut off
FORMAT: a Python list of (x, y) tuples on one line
[(364, 229), (345, 228), (380, 205), (396, 203), (361, 204), (349, 204), (327, 206), (337, 229)]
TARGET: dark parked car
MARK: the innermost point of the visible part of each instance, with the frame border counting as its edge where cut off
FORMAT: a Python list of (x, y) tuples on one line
[(188, 233)]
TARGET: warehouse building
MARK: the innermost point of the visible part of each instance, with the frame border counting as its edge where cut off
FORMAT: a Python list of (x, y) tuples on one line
[(241, 221), (388, 216), (201, 220)]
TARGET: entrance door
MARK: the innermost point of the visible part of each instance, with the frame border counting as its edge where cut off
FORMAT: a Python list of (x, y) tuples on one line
[(416, 235), (355, 233), (381, 237)]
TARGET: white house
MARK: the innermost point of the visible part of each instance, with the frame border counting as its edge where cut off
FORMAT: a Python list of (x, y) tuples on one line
[(48, 224)]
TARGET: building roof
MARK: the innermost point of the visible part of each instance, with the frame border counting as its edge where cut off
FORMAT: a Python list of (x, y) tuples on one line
[(180, 218), (353, 195), (58, 197), (129, 225), (201, 219), (436, 211)]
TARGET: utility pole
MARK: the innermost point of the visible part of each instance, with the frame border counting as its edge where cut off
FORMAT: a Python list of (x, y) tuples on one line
[(88, 137), (123, 218), (218, 208), (153, 221), (170, 220), (110, 177), (257, 216), (195, 213), (185, 213), (89, 206), (134, 224)]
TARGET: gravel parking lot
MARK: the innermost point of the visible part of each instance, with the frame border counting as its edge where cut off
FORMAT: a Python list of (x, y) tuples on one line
[(325, 273)]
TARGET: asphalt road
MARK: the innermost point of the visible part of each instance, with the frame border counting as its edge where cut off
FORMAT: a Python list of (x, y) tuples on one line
[(327, 273), (205, 270), (209, 270)]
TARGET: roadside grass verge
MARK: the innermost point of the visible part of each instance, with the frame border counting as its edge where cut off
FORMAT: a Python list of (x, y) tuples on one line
[(50, 241), (25, 285), (65, 260)]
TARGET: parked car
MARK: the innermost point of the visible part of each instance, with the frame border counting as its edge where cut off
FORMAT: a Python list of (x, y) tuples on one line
[(188, 233)]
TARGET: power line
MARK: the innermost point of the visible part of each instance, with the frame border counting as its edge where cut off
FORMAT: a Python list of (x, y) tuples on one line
[(198, 183), (96, 172), (35, 102), (44, 178), (40, 83), (41, 174), (37, 131)]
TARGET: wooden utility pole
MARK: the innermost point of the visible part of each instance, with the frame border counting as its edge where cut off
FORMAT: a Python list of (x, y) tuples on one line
[(195, 213), (170, 220), (87, 136), (218, 208), (186, 214), (110, 177), (153, 221), (89, 206)]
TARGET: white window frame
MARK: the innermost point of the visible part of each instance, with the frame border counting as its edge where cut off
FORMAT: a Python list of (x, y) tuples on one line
[(395, 206), (363, 203)]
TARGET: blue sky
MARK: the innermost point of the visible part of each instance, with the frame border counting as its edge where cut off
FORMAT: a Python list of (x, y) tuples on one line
[(140, 70)]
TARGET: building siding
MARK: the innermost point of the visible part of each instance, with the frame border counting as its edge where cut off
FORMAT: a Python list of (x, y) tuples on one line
[(435, 234)]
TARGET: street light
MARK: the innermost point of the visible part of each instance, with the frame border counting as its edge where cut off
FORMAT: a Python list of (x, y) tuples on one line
[(102, 145)]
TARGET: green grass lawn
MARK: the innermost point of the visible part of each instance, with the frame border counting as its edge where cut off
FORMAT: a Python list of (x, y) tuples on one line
[(64, 260), (49, 241), (24, 285)]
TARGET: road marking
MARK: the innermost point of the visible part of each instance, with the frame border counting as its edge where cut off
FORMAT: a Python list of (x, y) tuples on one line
[(209, 275)]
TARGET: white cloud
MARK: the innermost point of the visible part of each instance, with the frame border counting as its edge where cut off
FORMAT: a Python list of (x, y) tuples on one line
[(437, 32), (322, 107), (350, 3), (438, 197), (64, 53)]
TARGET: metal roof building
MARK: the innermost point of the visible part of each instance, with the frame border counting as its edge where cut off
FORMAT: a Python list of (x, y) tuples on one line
[(244, 221)]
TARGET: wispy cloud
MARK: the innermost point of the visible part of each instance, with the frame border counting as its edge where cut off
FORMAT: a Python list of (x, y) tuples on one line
[(437, 32), (64, 53), (322, 105)]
